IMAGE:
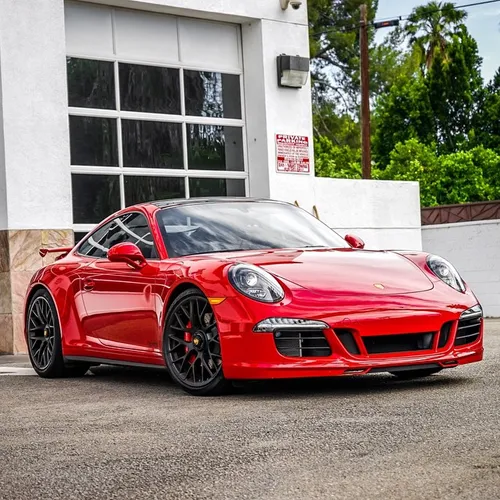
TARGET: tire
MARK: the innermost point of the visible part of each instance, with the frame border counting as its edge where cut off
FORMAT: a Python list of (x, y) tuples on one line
[(191, 345), (413, 374), (44, 339)]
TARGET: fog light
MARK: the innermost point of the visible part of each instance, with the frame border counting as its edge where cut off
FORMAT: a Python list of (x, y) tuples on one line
[(273, 324)]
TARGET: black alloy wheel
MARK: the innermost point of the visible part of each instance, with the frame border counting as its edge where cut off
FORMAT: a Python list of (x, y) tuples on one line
[(44, 339), (191, 345), (41, 332)]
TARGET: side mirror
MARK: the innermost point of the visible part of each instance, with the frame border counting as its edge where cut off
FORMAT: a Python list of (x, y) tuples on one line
[(354, 241), (128, 253)]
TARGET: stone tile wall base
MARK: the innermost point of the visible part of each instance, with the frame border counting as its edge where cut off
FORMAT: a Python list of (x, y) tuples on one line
[(19, 260)]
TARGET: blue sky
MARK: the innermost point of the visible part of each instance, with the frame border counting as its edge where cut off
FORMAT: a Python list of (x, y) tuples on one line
[(483, 23)]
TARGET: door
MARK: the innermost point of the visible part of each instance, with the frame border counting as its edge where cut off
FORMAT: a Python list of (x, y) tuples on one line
[(122, 304)]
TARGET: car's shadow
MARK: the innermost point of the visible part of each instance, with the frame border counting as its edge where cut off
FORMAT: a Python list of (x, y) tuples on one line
[(336, 386)]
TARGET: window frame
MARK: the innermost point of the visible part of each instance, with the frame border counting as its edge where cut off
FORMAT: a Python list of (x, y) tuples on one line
[(182, 118), (110, 221)]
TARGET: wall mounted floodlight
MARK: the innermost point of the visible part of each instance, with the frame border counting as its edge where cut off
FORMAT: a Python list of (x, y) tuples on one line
[(293, 71)]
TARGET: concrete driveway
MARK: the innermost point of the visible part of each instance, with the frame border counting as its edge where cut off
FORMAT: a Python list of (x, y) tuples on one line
[(130, 434)]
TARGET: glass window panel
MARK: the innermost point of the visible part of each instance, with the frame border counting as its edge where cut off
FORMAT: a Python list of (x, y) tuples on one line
[(93, 141), (95, 197), (212, 94), (152, 144), (200, 188), (137, 231), (91, 84), (149, 89), (94, 245), (143, 189), (130, 228), (214, 147)]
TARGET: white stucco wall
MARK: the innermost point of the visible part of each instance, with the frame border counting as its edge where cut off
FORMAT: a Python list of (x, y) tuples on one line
[(34, 114), (220, 10), (35, 109), (474, 249), (385, 214), (34, 162)]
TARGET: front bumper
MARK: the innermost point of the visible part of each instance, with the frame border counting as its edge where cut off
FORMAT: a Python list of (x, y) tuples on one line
[(250, 355)]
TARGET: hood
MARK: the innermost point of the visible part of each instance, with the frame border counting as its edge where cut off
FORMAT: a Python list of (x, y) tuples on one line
[(342, 271)]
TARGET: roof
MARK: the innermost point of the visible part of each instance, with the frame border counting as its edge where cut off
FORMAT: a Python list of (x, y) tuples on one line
[(200, 201)]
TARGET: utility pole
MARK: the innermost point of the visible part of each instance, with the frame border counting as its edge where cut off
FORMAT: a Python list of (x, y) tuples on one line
[(366, 161)]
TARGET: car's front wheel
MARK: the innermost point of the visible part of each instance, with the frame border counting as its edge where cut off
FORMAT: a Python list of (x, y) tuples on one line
[(44, 339), (412, 374), (191, 345)]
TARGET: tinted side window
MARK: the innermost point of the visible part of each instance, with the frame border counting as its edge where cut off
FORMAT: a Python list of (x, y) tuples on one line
[(130, 228), (98, 243), (136, 229)]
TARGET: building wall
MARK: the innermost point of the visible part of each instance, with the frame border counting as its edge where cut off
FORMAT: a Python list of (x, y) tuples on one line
[(35, 124), (473, 248), (386, 215), (35, 173)]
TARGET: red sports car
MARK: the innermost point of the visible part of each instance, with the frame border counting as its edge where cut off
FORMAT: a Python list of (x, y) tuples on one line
[(217, 290)]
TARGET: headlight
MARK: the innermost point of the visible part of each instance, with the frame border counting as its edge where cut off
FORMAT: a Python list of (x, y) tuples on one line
[(255, 283), (446, 272)]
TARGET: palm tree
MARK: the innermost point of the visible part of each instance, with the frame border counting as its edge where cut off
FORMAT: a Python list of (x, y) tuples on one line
[(430, 27)]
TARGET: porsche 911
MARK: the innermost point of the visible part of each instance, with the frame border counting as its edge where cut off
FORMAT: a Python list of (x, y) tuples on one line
[(222, 290)]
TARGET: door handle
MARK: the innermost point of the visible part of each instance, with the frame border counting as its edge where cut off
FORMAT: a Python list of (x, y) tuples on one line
[(88, 285)]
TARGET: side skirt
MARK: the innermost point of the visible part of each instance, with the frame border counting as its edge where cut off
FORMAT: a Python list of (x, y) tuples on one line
[(104, 361)]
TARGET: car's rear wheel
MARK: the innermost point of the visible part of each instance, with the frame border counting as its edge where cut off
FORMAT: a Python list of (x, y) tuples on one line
[(412, 374), (44, 339), (191, 345)]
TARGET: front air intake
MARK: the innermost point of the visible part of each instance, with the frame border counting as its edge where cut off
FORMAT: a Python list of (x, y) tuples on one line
[(444, 334), (469, 326), (347, 339), (301, 343)]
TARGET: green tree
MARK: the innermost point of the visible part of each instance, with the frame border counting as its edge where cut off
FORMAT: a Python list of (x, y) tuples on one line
[(460, 177), (341, 129), (488, 161), (336, 161), (334, 49), (455, 85), (430, 28), (487, 119), (414, 161), (404, 113), (438, 108)]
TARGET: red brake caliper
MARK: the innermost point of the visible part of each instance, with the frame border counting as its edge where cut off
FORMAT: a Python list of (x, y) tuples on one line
[(188, 337)]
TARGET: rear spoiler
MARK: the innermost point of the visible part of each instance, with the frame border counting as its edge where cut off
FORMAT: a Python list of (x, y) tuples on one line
[(62, 250)]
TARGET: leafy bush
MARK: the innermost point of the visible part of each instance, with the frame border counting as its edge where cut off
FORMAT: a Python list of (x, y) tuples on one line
[(462, 177), (336, 161)]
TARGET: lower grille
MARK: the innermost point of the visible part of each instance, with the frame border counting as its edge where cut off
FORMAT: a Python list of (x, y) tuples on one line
[(302, 344), (380, 344), (468, 331)]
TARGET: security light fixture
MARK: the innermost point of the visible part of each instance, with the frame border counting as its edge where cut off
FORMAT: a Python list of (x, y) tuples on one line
[(294, 3), (293, 71)]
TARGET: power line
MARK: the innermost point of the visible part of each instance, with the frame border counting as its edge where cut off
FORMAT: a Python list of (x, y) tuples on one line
[(458, 7), (401, 18)]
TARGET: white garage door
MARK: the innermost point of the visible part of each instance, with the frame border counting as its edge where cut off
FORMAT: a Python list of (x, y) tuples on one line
[(155, 109)]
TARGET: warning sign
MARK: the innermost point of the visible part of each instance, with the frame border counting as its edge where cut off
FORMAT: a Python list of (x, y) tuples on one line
[(292, 153)]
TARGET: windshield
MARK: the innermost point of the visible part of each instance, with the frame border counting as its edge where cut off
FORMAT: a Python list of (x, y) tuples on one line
[(232, 226)]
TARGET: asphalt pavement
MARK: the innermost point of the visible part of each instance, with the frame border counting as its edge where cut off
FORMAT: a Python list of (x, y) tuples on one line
[(131, 434)]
